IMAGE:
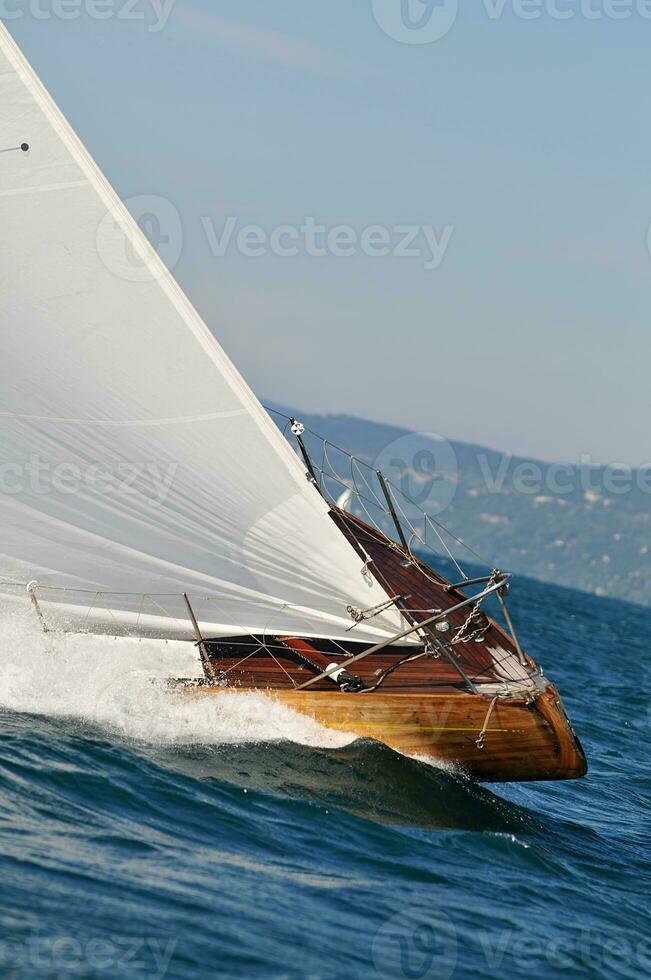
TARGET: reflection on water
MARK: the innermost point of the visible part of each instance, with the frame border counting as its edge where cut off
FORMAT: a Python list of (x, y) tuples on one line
[(365, 778)]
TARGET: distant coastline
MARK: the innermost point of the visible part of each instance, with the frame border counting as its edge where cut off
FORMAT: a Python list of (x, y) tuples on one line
[(586, 527)]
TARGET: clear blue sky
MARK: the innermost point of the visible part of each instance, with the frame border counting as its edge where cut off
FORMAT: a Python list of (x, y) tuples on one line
[(529, 137)]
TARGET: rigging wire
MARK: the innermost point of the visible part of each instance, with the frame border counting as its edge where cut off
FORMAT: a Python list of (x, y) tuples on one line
[(353, 460)]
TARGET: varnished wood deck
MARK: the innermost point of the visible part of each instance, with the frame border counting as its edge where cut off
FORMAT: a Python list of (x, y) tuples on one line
[(424, 707)]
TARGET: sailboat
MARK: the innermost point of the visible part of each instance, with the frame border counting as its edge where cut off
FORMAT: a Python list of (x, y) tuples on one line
[(146, 492)]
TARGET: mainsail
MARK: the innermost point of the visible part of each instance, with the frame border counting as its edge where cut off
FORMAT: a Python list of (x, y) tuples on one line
[(134, 459)]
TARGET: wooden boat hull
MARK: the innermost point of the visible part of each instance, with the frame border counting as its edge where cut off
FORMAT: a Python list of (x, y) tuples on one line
[(473, 699), (527, 738)]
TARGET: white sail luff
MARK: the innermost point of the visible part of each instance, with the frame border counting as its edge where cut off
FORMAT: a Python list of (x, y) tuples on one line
[(104, 370), (149, 255)]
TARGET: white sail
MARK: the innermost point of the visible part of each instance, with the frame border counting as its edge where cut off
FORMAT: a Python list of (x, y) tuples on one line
[(133, 457)]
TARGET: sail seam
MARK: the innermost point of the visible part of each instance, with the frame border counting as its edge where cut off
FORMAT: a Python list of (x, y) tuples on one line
[(153, 262), (131, 423), (249, 499), (42, 188)]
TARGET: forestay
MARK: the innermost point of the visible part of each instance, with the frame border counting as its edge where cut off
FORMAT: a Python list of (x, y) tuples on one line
[(134, 458)]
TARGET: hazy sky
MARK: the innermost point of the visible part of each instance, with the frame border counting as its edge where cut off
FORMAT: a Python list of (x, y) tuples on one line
[(521, 146)]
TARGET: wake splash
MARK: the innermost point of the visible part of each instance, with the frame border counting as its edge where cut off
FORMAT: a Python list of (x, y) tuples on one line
[(119, 684)]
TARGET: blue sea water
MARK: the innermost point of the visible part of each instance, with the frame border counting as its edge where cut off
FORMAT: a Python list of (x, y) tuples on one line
[(140, 837)]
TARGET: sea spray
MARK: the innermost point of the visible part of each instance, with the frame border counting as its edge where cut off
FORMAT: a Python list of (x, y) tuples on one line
[(119, 683), (108, 844)]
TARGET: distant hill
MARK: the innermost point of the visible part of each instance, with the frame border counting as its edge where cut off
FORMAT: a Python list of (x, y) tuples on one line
[(584, 527)]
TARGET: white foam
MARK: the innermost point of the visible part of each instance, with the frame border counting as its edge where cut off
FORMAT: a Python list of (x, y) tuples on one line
[(118, 683), (434, 763)]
